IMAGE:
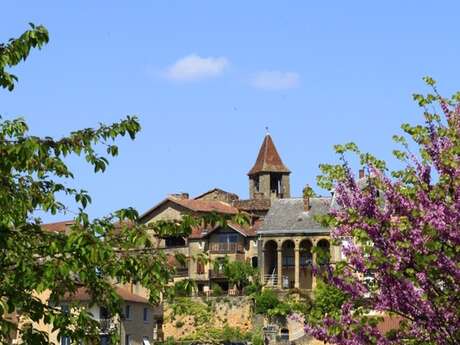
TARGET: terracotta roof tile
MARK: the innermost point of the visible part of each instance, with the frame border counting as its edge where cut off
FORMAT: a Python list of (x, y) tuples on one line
[(58, 226), (205, 205), (82, 295), (268, 159), (257, 224), (252, 204), (199, 206), (199, 232)]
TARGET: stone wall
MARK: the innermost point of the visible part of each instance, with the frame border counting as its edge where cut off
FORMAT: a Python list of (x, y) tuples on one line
[(232, 311)]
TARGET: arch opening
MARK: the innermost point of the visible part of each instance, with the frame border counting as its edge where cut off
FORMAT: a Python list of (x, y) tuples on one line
[(324, 253), (270, 263), (306, 265), (288, 264)]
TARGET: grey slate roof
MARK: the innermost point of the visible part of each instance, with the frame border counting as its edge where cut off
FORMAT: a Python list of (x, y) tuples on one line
[(287, 216)]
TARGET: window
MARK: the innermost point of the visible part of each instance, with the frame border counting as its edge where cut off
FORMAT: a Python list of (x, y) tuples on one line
[(127, 312), (288, 261), (220, 264), (199, 267), (228, 238), (103, 313), (171, 242), (65, 308), (145, 341), (65, 340), (105, 339), (254, 261), (127, 339), (284, 334), (146, 314), (305, 259)]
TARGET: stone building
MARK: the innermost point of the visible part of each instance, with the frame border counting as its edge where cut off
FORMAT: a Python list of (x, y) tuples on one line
[(280, 238), (289, 231), (287, 239), (233, 241), (139, 325), (269, 177)]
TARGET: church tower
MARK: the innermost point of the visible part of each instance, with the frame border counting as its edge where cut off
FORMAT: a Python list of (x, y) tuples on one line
[(269, 177)]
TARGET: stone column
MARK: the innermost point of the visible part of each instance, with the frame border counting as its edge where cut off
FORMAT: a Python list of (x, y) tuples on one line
[(297, 266), (261, 263), (264, 185), (285, 186), (313, 276), (280, 268)]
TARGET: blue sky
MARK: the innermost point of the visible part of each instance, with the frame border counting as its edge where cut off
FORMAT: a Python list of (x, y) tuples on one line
[(206, 77)]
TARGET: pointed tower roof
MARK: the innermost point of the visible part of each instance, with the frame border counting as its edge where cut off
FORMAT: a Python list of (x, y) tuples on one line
[(268, 159)]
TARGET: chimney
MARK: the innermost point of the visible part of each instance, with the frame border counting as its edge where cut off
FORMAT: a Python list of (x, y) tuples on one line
[(307, 194), (361, 173), (181, 195)]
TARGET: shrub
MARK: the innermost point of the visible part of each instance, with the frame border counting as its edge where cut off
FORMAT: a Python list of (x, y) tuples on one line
[(217, 290), (265, 301), (257, 338), (252, 289)]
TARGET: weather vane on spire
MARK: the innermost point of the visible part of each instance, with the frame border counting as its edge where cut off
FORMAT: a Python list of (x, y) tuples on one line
[(266, 130)]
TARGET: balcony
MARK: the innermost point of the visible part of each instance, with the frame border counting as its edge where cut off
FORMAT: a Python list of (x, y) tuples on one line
[(216, 274), (271, 281), (107, 326), (181, 272), (202, 276), (226, 248)]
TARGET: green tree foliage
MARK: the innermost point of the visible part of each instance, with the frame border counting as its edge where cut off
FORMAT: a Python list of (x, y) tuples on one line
[(239, 273), (34, 176), (221, 335), (269, 304), (265, 301), (17, 50), (185, 306), (328, 302)]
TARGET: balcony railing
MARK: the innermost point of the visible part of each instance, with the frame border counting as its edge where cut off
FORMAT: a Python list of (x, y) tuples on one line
[(226, 248), (271, 280), (181, 272), (106, 326), (216, 274)]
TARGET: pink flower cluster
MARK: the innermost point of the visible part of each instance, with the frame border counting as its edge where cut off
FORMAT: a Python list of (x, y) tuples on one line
[(405, 232)]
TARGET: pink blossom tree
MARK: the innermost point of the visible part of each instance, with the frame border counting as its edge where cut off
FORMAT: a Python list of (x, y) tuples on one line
[(400, 232)]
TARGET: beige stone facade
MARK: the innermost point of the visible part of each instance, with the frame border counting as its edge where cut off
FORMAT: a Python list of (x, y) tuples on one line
[(232, 241), (140, 320), (287, 261), (281, 239)]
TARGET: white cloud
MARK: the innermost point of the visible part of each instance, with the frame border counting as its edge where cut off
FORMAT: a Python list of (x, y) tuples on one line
[(275, 80), (194, 67)]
